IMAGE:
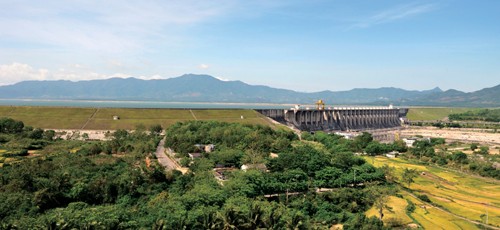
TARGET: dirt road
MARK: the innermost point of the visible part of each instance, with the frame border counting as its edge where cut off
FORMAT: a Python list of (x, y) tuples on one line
[(163, 158)]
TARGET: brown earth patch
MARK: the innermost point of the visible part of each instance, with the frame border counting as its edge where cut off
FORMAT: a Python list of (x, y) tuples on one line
[(105, 160), (436, 178)]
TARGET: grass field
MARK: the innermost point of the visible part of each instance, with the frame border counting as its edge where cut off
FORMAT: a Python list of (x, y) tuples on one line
[(4, 110), (106, 124), (178, 114), (52, 123), (75, 118), (52, 112), (217, 114), (430, 114), (431, 218), (398, 210), (462, 195)]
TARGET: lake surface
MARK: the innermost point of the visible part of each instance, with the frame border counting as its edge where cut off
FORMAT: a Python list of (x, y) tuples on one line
[(139, 104)]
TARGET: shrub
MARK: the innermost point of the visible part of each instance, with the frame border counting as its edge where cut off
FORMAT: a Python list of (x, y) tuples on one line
[(442, 162), (394, 222), (23, 152), (424, 198), (410, 208), (185, 161), (305, 135)]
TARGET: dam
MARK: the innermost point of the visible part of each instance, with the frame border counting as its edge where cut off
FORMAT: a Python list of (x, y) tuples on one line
[(350, 119)]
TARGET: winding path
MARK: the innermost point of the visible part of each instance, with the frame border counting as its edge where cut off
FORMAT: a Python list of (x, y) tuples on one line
[(163, 158), (463, 218)]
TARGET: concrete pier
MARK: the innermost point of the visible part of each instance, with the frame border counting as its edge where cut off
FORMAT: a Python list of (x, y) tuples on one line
[(338, 118)]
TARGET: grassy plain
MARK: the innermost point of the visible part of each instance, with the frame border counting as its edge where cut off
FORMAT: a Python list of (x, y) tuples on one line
[(179, 114), (398, 210), (4, 110), (431, 218), (128, 124), (75, 118), (223, 113), (431, 114), (53, 112), (459, 194), (52, 123)]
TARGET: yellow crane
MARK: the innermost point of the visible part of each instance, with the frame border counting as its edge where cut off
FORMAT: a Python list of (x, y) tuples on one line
[(320, 105)]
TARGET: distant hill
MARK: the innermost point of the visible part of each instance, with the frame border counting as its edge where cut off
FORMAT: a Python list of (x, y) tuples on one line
[(199, 88), (487, 97)]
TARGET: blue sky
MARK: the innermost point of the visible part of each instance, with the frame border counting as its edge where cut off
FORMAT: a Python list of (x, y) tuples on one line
[(300, 45)]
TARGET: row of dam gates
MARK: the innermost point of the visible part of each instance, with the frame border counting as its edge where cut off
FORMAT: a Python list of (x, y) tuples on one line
[(339, 119)]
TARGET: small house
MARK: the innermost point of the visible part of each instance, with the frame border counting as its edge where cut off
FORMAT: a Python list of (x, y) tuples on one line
[(195, 155), (348, 136), (207, 148), (260, 167), (116, 118), (409, 141), (392, 154)]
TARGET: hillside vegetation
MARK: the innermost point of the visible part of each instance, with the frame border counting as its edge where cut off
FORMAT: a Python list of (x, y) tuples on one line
[(487, 115), (102, 118), (431, 114), (118, 184), (194, 88)]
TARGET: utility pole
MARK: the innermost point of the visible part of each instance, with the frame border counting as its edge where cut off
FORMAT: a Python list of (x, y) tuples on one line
[(354, 184)]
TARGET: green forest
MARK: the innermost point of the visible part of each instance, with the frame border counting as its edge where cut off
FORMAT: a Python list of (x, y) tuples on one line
[(118, 184), (487, 115)]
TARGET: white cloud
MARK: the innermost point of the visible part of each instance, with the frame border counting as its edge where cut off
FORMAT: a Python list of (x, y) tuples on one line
[(203, 66), (114, 26), (116, 63), (151, 78), (77, 66), (394, 14), (222, 79), (17, 72)]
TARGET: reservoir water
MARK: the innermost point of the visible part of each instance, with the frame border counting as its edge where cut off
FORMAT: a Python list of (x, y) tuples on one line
[(139, 104)]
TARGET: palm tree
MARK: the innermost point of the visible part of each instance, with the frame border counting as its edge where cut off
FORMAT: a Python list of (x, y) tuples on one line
[(254, 218), (209, 219), (159, 224), (296, 222), (273, 218), (230, 218)]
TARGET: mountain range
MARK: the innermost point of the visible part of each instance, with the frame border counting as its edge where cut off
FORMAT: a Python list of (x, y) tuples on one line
[(205, 88)]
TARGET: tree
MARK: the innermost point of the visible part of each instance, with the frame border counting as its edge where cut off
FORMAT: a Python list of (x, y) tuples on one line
[(380, 197), (155, 129), (230, 218), (85, 135), (254, 216), (361, 222), (408, 175), (16, 127), (49, 135), (459, 157), (304, 135), (185, 161), (296, 221), (484, 150), (36, 134), (389, 173), (474, 146), (362, 141), (95, 149)]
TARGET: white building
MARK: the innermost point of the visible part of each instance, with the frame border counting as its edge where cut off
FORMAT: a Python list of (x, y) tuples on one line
[(260, 167)]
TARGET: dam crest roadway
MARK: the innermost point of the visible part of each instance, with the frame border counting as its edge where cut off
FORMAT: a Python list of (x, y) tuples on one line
[(350, 119)]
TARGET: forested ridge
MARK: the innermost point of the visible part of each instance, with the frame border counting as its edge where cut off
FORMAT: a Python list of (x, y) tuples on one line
[(111, 185)]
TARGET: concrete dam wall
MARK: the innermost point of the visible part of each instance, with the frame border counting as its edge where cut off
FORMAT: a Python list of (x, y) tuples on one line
[(338, 119)]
